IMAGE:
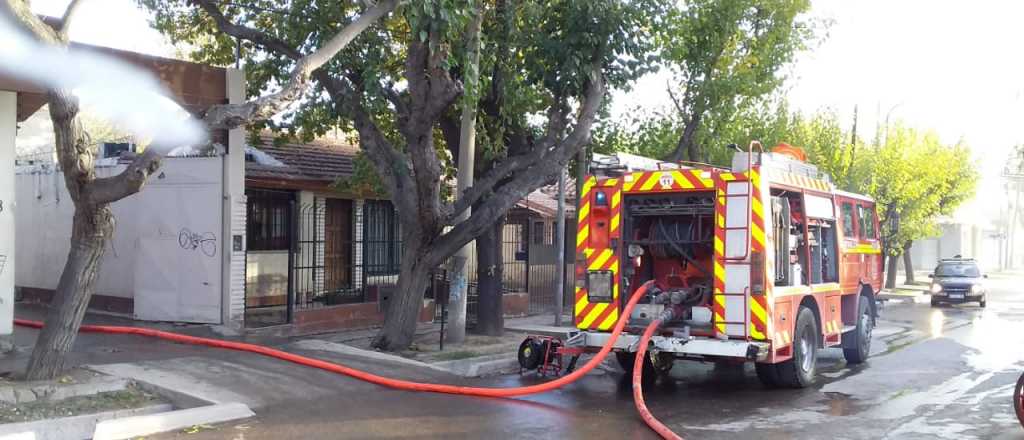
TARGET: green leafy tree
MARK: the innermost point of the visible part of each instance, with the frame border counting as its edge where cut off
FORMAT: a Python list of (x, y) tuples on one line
[(396, 83), (724, 54), (915, 179)]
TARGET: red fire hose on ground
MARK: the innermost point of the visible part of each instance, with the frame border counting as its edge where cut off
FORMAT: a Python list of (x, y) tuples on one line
[(638, 391), (403, 384)]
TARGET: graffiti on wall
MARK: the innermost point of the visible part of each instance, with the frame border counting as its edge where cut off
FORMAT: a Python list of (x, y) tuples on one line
[(205, 242)]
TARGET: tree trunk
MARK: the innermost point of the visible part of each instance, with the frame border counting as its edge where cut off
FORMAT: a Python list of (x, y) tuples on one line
[(686, 145), (890, 272), (92, 227), (489, 272), (406, 302), (908, 264)]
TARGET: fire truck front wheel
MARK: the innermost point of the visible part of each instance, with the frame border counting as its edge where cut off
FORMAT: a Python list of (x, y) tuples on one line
[(798, 372), (859, 346)]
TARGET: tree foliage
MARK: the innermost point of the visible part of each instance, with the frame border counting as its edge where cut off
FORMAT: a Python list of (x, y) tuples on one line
[(723, 54), (398, 82)]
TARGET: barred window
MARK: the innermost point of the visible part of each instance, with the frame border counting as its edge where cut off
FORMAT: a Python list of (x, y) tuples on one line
[(381, 238), (269, 220)]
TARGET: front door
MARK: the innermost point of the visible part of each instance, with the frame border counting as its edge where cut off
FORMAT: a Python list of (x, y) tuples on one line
[(338, 245)]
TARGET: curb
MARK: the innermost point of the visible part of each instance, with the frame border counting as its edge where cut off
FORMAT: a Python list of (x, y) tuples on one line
[(130, 427), (30, 392), (334, 347), (484, 366), (77, 427)]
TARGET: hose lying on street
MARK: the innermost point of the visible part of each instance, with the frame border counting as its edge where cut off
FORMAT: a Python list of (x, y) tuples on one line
[(389, 382), (638, 390)]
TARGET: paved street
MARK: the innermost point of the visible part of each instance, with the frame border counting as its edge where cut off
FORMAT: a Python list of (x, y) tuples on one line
[(935, 373)]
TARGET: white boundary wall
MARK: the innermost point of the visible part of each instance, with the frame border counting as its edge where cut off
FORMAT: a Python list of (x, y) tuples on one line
[(167, 249), (8, 209)]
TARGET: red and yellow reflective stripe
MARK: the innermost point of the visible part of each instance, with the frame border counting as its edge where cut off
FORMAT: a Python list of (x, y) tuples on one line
[(759, 303), (667, 180), (718, 297)]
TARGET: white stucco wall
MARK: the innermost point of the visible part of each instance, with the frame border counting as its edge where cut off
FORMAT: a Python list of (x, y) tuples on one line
[(166, 250), (8, 208)]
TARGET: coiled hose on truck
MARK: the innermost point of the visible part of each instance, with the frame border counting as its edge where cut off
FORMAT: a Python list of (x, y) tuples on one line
[(404, 384)]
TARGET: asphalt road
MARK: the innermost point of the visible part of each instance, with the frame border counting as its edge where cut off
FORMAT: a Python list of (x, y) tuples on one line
[(934, 373)]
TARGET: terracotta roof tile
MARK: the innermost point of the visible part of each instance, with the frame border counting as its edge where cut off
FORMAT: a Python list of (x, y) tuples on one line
[(318, 160)]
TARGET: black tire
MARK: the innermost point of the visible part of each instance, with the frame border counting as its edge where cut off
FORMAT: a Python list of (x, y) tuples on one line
[(860, 347), (626, 360), (1018, 399), (767, 374), (529, 354), (983, 301), (799, 371)]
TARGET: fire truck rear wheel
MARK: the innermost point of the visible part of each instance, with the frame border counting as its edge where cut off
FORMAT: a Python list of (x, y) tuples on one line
[(768, 374), (651, 368), (798, 372), (860, 348)]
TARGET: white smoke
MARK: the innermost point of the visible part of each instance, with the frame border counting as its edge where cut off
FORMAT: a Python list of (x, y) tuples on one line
[(128, 97)]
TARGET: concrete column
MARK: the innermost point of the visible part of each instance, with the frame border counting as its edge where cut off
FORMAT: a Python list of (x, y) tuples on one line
[(8, 129), (234, 213)]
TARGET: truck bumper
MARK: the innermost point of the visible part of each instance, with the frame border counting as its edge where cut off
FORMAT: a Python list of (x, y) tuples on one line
[(681, 346)]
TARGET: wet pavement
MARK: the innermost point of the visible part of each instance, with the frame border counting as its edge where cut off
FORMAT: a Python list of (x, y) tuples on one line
[(944, 373)]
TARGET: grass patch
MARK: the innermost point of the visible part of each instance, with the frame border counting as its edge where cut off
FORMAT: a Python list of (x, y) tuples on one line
[(455, 355), (45, 409)]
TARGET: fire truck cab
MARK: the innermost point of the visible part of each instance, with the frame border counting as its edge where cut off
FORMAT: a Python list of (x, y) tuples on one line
[(763, 262)]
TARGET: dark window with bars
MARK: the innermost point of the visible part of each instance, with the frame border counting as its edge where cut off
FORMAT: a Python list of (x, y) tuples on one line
[(269, 220), (381, 238)]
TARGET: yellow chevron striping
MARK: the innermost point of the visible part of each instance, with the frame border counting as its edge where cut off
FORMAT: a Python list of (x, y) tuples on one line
[(719, 324), (609, 322), (610, 182), (588, 185), (719, 246), (580, 305), (582, 235), (760, 312), (755, 333), (615, 222), (627, 183), (719, 271), (601, 259), (594, 313), (758, 234), (616, 198), (651, 181), (681, 181), (583, 212), (756, 206), (587, 252)]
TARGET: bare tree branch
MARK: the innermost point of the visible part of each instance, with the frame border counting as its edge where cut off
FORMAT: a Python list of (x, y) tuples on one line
[(543, 168), (69, 13), (18, 12), (557, 121), (268, 42), (229, 116), (675, 101), (126, 183)]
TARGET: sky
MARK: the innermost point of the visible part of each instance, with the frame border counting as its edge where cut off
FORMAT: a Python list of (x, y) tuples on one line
[(953, 66)]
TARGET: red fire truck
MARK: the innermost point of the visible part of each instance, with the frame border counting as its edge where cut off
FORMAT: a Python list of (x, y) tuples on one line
[(764, 262)]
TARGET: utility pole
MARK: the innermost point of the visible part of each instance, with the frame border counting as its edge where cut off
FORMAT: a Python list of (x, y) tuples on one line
[(459, 289), (560, 242)]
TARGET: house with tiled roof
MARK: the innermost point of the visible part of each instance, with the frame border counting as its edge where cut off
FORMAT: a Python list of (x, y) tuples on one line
[(346, 251)]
